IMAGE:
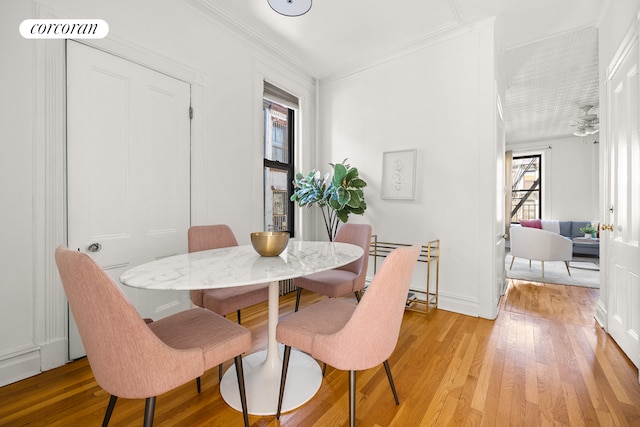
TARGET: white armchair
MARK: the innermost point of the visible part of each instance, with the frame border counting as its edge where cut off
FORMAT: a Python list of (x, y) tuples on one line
[(540, 245)]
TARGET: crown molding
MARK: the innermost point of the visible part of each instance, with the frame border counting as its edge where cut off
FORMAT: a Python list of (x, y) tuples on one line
[(407, 47), (207, 10)]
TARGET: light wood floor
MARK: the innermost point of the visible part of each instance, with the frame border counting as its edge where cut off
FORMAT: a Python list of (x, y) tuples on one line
[(543, 361)]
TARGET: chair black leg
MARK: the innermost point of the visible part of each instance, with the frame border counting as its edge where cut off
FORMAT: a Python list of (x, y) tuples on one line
[(298, 292), (393, 386), (243, 392), (198, 385), (110, 406), (220, 372), (352, 398), (220, 366), (283, 377), (324, 369), (357, 295), (149, 409)]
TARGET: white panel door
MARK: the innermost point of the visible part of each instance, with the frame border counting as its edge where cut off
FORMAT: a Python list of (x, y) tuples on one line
[(501, 215), (128, 170), (623, 193)]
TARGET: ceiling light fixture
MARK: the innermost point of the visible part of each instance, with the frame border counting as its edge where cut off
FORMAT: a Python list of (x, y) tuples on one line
[(290, 7), (585, 131), (587, 124)]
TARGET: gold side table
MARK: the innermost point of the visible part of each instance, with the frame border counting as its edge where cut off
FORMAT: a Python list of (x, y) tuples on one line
[(429, 255)]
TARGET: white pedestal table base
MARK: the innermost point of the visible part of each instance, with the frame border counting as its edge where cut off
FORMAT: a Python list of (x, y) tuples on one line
[(262, 383)]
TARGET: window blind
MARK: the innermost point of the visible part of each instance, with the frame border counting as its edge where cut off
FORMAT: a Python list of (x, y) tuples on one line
[(280, 96)]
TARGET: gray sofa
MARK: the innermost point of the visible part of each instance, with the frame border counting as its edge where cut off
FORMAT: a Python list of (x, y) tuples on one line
[(571, 229)]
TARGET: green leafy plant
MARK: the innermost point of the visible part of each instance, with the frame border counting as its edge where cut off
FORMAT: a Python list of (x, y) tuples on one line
[(588, 229), (337, 195)]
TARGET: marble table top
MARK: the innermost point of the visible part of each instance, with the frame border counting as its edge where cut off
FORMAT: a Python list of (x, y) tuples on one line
[(239, 265)]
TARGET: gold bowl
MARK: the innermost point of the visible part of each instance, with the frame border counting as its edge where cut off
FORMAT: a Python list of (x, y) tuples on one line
[(269, 243)]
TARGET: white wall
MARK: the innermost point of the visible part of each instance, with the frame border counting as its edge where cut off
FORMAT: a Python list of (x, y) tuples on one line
[(570, 176), (432, 100), (226, 72), (16, 231)]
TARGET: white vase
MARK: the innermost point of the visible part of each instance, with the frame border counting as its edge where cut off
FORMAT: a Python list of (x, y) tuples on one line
[(587, 236)]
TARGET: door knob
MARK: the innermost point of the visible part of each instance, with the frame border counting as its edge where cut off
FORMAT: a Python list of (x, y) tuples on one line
[(606, 227), (94, 247)]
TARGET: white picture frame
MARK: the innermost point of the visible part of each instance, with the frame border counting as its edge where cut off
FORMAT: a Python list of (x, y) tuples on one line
[(399, 174)]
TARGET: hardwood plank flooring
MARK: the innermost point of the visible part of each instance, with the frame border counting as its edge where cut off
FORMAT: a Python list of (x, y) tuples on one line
[(543, 361)]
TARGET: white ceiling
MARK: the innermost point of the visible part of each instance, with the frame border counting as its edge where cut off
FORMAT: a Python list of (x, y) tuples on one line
[(548, 82), (549, 46)]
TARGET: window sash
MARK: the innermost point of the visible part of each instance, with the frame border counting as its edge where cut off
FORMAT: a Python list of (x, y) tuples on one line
[(278, 157), (526, 188)]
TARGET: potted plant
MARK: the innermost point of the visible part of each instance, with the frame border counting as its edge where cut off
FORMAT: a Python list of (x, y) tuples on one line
[(589, 231), (338, 196)]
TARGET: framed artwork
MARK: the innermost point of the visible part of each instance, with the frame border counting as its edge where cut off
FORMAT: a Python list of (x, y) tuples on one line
[(399, 174)]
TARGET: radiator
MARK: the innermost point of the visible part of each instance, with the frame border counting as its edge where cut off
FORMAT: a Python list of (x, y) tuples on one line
[(286, 286)]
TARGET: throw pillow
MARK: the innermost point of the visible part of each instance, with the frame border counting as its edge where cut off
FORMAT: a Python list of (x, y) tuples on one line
[(533, 223), (565, 229)]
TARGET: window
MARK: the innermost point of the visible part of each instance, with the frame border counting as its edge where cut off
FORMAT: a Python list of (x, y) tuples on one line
[(526, 193), (279, 134)]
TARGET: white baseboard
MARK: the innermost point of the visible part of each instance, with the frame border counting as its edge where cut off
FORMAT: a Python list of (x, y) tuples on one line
[(54, 354), (601, 315), (19, 364), (458, 304), (27, 361)]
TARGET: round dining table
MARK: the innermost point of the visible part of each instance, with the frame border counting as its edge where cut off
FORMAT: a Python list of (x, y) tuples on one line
[(240, 266)]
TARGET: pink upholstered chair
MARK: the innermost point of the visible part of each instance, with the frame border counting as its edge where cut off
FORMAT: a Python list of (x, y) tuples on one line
[(353, 337), (223, 300), (137, 360), (342, 280)]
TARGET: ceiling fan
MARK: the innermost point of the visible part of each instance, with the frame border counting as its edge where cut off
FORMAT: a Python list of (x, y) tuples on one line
[(587, 124)]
